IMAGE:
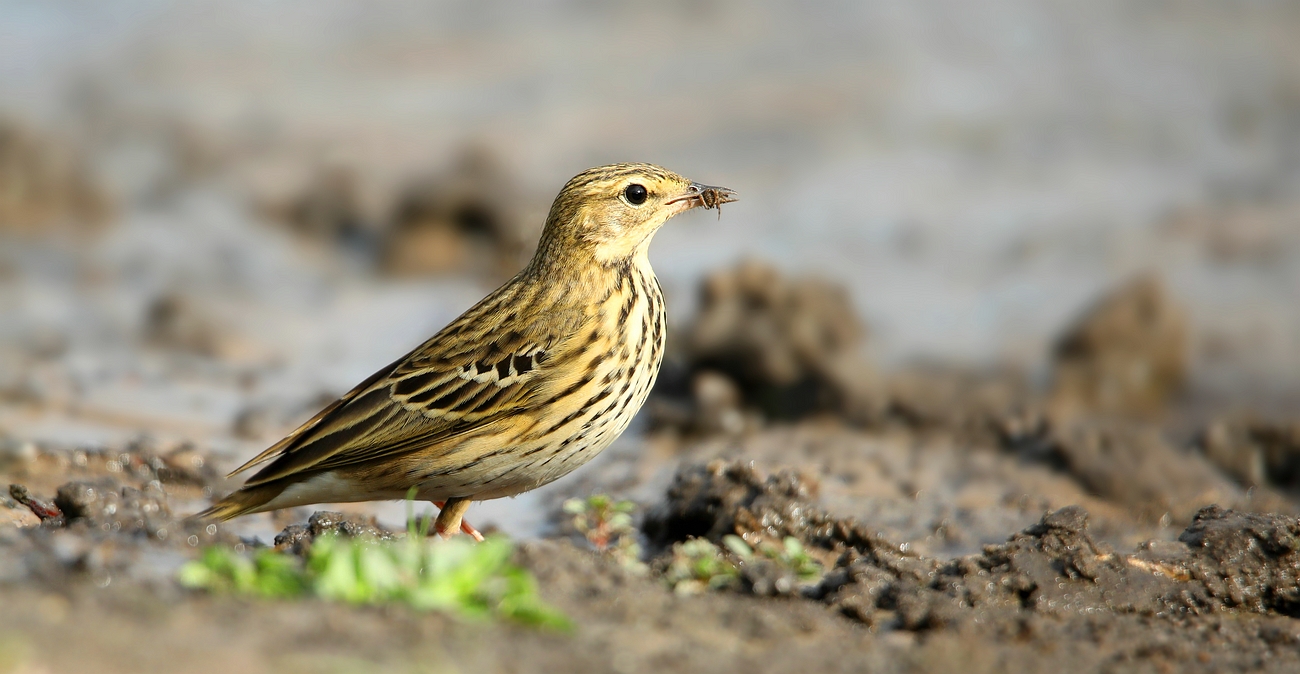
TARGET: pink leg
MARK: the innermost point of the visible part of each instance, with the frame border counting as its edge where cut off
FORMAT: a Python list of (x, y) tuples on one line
[(451, 518)]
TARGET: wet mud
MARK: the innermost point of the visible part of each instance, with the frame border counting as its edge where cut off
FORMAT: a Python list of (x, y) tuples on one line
[(1219, 593), (958, 520), (1049, 589)]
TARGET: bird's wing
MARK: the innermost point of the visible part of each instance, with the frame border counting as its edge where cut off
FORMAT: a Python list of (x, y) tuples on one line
[(451, 385)]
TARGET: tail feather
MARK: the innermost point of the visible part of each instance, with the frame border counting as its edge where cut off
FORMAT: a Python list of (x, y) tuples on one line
[(242, 502)]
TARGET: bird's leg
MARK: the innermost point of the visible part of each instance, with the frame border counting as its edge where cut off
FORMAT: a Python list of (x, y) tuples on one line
[(450, 519)]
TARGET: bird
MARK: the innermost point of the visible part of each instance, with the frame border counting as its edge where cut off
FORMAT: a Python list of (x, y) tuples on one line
[(530, 383)]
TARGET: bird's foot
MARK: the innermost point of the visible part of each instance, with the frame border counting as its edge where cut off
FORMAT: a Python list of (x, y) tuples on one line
[(451, 518), (471, 531)]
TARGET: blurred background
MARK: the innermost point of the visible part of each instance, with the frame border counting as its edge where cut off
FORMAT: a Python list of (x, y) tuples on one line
[(214, 218), (990, 259)]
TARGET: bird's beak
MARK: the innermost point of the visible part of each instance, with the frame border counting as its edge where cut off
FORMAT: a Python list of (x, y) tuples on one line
[(707, 196)]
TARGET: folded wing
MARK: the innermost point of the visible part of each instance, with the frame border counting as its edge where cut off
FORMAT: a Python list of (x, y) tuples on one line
[(432, 395)]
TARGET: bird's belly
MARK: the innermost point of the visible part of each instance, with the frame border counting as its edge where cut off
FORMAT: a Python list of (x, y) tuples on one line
[(541, 472), (330, 487), (536, 461)]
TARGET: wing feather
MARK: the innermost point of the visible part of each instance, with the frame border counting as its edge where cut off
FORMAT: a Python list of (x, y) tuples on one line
[(437, 393)]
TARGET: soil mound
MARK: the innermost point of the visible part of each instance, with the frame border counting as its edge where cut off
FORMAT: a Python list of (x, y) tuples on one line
[(45, 186), (1126, 355), (785, 347), (1254, 452), (467, 216)]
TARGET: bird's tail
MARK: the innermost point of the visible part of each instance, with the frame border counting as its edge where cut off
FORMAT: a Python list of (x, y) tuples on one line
[(241, 502)]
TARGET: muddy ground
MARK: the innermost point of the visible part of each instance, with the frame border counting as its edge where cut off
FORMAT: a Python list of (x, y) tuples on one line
[(959, 522), (1040, 583)]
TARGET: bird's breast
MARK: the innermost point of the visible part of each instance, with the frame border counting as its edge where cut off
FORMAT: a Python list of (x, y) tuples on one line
[(609, 379)]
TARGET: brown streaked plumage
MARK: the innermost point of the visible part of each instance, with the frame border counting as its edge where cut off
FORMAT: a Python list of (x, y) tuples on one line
[(525, 386)]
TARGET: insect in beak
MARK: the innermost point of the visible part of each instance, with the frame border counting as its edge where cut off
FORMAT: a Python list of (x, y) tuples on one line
[(707, 196)]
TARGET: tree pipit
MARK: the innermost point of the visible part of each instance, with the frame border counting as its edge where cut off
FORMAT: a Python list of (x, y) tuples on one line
[(530, 383)]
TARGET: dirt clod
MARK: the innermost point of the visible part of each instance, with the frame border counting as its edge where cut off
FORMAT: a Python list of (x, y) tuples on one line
[(730, 498), (297, 538), (1136, 466), (793, 346), (1126, 355), (467, 216), (175, 322), (45, 186), (1254, 452), (1246, 560), (328, 208), (105, 504), (42, 509)]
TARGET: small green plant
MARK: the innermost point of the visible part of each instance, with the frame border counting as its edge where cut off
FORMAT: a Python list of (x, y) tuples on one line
[(697, 565), (471, 580), (600, 518), (264, 574), (790, 555), (607, 526)]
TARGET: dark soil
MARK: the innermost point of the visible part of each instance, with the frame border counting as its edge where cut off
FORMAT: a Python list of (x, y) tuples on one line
[(1047, 593), (1218, 598)]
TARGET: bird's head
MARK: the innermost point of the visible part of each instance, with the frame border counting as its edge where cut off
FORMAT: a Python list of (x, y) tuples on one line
[(611, 212)]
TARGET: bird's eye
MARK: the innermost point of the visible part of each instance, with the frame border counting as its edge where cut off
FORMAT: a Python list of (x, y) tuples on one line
[(635, 194)]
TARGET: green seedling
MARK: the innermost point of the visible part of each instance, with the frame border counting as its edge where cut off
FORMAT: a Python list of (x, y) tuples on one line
[(790, 555), (607, 526), (601, 519), (265, 573), (698, 565), (459, 577)]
